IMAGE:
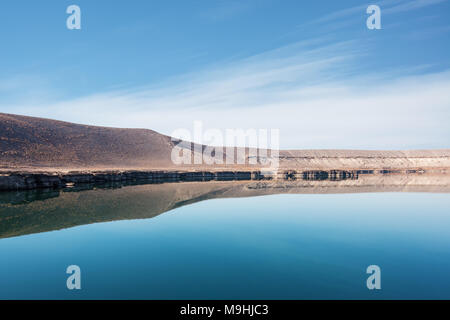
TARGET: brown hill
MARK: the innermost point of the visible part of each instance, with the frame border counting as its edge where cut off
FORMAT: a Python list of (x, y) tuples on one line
[(29, 144), (43, 143)]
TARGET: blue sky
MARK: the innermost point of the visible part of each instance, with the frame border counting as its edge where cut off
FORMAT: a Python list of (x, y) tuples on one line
[(310, 68)]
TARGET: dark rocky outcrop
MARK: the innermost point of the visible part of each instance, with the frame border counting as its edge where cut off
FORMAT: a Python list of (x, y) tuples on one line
[(29, 181)]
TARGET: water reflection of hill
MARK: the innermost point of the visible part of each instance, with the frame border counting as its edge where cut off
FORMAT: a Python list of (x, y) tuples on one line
[(37, 211)]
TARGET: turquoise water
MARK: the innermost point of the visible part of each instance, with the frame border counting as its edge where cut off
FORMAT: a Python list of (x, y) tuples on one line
[(315, 246)]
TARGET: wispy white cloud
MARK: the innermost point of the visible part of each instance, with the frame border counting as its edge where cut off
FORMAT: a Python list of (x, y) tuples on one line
[(315, 94), (25, 88), (387, 6), (411, 5)]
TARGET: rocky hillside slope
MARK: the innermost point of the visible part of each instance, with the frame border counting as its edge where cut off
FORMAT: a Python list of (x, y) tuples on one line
[(30, 144)]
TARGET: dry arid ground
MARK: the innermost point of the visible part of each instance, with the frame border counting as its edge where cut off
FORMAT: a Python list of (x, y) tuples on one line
[(29, 144)]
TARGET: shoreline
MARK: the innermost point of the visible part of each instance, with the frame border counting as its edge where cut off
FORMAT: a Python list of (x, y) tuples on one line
[(43, 153), (42, 210), (28, 180)]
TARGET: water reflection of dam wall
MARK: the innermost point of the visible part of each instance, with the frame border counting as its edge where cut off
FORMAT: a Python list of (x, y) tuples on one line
[(28, 181), (34, 211), (334, 181)]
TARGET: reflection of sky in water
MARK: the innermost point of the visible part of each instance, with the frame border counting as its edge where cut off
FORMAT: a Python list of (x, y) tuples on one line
[(282, 246)]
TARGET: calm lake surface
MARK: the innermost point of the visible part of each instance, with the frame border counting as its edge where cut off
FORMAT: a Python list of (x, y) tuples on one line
[(281, 246)]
